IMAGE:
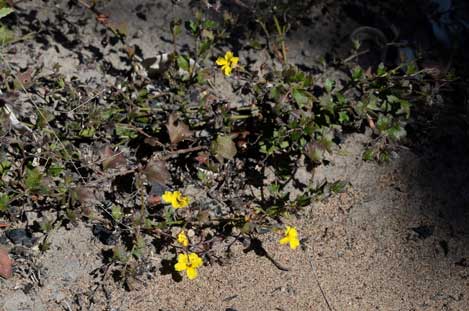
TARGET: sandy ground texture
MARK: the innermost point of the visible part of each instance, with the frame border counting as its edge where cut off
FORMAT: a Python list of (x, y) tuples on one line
[(397, 239)]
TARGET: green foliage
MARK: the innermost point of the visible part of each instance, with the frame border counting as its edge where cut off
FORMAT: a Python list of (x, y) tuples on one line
[(114, 160), (4, 199), (33, 180)]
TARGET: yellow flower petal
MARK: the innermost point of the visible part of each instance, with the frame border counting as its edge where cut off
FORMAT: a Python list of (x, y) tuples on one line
[(176, 199), (234, 61), (182, 239), (294, 243), (167, 197), (195, 260), (221, 61), (191, 273), (290, 237), (229, 55), (227, 63), (183, 258), (180, 201), (227, 70), (180, 266), (291, 232)]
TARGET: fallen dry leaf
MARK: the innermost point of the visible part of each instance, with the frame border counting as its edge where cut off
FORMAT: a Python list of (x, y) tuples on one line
[(156, 171), (154, 200), (224, 148), (6, 263), (202, 157), (177, 130), (111, 159)]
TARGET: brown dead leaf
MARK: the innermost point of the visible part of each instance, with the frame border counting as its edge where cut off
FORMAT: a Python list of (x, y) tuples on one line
[(202, 157), (111, 159), (6, 270), (371, 123), (24, 79), (177, 130), (156, 171), (154, 200), (87, 198), (102, 18), (152, 141), (130, 50), (369, 72)]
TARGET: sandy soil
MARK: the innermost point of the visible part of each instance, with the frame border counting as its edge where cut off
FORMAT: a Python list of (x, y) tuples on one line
[(397, 239)]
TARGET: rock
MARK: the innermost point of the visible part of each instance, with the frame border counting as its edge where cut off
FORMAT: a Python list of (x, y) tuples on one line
[(104, 235), (21, 237)]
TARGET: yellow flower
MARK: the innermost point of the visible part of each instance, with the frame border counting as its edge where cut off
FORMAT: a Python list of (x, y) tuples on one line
[(291, 237), (189, 263), (182, 239), (176, 199), (227, 63)]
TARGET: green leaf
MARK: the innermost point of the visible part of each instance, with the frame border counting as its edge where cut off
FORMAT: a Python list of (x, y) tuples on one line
[(5, 11), (4, 166), (210, 24), (338, 186), (327, 103), (368, 155), (405, 108), (357, 73), (344, 117), (4, 199), (175, 27), (301, 97), (183, 63), (381, 71), (392, 99), (373, 103), (329, 85), (205, 46), (411, 68), (192, 26), (116, 213), (383, 123), (303, 200), (87, 132), (33, 179), (275, 93), (124, 132), (341, 99), (284, 144), (6, 35), (119, 254), (54, 170), (396, 132)]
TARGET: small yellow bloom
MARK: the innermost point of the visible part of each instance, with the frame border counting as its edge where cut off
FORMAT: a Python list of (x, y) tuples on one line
[(291, 237), (176, 199), (190, 263), (227, 63), (182, 239)]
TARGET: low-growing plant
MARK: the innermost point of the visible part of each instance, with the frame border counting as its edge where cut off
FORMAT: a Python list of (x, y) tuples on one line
[(163, 161)]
